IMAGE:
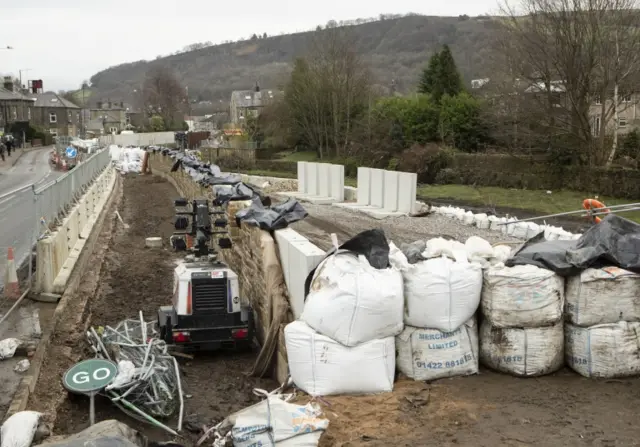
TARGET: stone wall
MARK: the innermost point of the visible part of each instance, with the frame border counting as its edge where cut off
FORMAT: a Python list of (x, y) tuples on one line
[(254, 257)]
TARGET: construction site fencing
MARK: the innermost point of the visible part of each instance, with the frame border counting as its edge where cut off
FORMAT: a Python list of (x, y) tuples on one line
[(28, 212)]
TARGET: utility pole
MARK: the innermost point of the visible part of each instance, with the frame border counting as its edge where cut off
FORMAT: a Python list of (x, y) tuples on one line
[(24, 136)]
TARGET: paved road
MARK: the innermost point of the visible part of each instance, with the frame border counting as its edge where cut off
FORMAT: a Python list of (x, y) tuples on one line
[(18, 218)]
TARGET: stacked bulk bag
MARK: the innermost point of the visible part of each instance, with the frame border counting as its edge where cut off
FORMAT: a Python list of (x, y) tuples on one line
[(344, 341), (522, 352), (604, 350), (522, 333), (352, 302), (602, 328), (321, 366), (428, 354), (441, 297)]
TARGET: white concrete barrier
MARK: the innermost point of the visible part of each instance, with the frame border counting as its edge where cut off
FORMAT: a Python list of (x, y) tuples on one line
[(383, 193), (139, 139), (298, 256), (58, 252), (320, 183)]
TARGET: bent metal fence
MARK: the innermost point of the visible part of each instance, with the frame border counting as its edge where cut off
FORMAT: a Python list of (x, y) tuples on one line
[(28, 212)]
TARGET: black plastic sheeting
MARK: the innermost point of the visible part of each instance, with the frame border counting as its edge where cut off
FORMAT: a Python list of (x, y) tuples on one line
[(372, 244), (272, 218), (615, 241), (230, 187)]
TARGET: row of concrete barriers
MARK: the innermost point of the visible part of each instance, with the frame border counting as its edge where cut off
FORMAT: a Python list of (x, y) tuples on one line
[(58, 252), (380, 193)]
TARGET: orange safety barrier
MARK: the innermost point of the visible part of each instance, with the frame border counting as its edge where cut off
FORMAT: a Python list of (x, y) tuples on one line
[(593, 205)]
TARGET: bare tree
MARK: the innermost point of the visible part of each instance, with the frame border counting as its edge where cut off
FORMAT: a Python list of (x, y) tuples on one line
[(164, 96), (564, 53), (328, 92)]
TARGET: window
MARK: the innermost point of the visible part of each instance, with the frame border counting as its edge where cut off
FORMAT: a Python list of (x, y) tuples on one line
[(626, 98), (622, 122), (595, 130), (53, 118), (78, 117), (113, 130), (127, 119), (53, 132), (598, 100), (29, 113), (69, 115)]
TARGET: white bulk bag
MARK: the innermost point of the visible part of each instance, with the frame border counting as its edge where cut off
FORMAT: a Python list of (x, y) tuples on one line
[(522, 296), (468, 218), (604, 350), (288, 424), (321, 366), (533, 229), (429, 354), (501, 254), (441, 293), (496, 223), (481, 221), (523, 352), (520, 230), (600, 296), (352, 302)]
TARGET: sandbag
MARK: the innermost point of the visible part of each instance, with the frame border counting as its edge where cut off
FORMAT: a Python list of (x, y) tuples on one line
[(438, 247), (522, 296), (441, 293), (274, 422), (523, 352), (321, 366), (429, 354), (604, 350), (109, 433), (19, 429), (352, 302), (601, 296)]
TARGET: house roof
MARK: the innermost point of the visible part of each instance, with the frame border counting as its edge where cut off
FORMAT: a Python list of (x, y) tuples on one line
[(251, 98), (51, 99), (7, 95)]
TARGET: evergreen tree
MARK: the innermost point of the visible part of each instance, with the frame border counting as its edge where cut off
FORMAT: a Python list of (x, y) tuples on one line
[(441, 76)]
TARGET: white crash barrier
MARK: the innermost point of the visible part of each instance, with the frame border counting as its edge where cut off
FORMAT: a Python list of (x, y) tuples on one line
[(320, 182), (352, 302), (321, 366), (522, 296), (429, 354), (601, 296), (386, 191), (277, 422), (604, 350), (523, 352), (439, 293), (19, 429)]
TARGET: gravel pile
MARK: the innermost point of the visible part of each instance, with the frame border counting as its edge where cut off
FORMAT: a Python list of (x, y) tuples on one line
[(325, 219)]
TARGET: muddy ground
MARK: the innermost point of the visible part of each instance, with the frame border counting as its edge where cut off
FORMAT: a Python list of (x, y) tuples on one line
[(133, 278), (489, 409)]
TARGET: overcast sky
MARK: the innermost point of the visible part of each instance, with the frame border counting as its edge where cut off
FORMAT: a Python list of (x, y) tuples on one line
[(63, 42)]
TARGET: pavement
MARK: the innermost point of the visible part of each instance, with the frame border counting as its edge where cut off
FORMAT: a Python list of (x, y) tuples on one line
[(18, 220)]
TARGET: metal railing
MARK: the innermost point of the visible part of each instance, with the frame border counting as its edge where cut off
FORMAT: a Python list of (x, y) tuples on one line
[(28, 212)]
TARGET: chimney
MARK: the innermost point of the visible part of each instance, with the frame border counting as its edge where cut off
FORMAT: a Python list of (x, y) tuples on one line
[(257, 87), (8, 83), (109, 104), (99, 104)]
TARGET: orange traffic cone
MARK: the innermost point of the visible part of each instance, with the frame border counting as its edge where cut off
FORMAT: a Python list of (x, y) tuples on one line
[(11, 285)]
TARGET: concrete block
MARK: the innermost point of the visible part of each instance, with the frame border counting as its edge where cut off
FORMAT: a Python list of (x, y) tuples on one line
[(303, 257), (377, 188), (324, 179), (364, 186), (82, 215), (390, 199), (45, 265), (86, 231), (302, 177), (312, 180), (407, 191), (72, 226), (60, 249), (336, 190)]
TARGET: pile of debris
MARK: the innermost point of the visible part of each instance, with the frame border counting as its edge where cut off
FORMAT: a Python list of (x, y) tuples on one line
[(148, 383)]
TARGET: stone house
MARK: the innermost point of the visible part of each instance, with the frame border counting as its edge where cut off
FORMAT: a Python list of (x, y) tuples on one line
[(14, 106), (628, 114), (113, 117), (246, 103), (56, 115)]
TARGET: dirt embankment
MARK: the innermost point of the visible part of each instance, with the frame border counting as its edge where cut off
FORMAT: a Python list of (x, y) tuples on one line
[(133, 278)]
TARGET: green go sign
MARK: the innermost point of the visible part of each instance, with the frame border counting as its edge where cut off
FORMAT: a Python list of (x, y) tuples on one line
[(89, 376)]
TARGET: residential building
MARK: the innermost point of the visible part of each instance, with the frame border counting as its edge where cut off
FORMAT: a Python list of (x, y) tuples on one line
[(203, 123), (628, 114), (113, 117), (55, 115), (14, 106), (246, 103)]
